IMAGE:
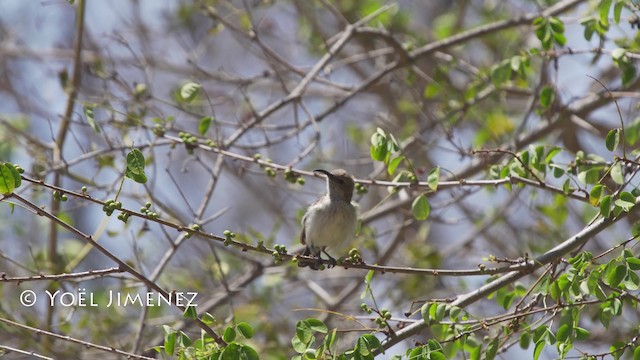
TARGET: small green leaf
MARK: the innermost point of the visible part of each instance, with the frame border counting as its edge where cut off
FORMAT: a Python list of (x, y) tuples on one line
[(605, 206), (89, 114), (634, 263), (245, 329), (581, 333), (538, 349), (612, 139), (564, 332), (208, 319), (190, 313), (616, 173), (229, 334), (393, 164), (7, 179), (169, 342), (547, 96), (189, 91), (595, 194), (420, 207), (317, 325), (17, 179), (603, 11), (525, 339), (635, 230), (135, 161), (624, 205), (303, 331), (616, 276), (618, 53), (204, 124), (135, 166), (434, 178), (248, 353), (441, 309), (617, 10), (492, 349), (551, 154), (298, 345), (424, 312)]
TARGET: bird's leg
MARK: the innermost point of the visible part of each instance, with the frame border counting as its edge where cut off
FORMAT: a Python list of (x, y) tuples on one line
[(331, 259)]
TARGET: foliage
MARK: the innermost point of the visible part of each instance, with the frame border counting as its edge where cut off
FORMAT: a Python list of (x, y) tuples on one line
[(493, 146)]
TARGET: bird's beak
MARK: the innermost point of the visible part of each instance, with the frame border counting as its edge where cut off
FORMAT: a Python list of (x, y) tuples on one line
[(321, 171)]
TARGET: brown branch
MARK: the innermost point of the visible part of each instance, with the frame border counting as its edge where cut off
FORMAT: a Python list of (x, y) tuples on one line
[(58, 277)]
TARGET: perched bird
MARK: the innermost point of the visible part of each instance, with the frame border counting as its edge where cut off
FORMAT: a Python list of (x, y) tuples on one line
[(331, 220)]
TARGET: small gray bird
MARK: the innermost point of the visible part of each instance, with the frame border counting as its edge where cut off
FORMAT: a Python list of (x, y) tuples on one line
[(331, 220)]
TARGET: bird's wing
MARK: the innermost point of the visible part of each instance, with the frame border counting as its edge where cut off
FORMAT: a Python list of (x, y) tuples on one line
[(302, 233)]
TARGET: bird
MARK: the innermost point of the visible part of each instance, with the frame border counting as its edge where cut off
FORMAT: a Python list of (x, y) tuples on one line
[(330, 221)]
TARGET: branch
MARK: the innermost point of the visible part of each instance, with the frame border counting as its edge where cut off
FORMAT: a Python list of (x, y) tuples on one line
[(475, 295), (78, 275)]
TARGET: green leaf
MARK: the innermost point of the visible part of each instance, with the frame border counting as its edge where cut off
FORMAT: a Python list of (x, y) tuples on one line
[(636, 353), (303, 331), (229, 334), (595, 194), (605, 206), (612, 139), (564, 332), (618, 54), (551, 154), (89, 114), (189, 91), (135, 166), (135, 161), (248, 353), (627, 196), (617, 349), (169, 342), (420, 207), (547, 96), (17, 179), (424, 312), (624, 205), (616, 173), (208, 319), (616, 276), (299, 346), (245, 329), (581, 333), (556, 24), (634, 263), (431, 90), (538, 349), (525, 339), (367, 281), (330, 339), (492, 349), (204, 124), (7, 179), (617, 10), (190, 312), (317, 325), (379, 145), (441, 309), (393, 164), (434, 178), (603, 11), (500, 73)]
